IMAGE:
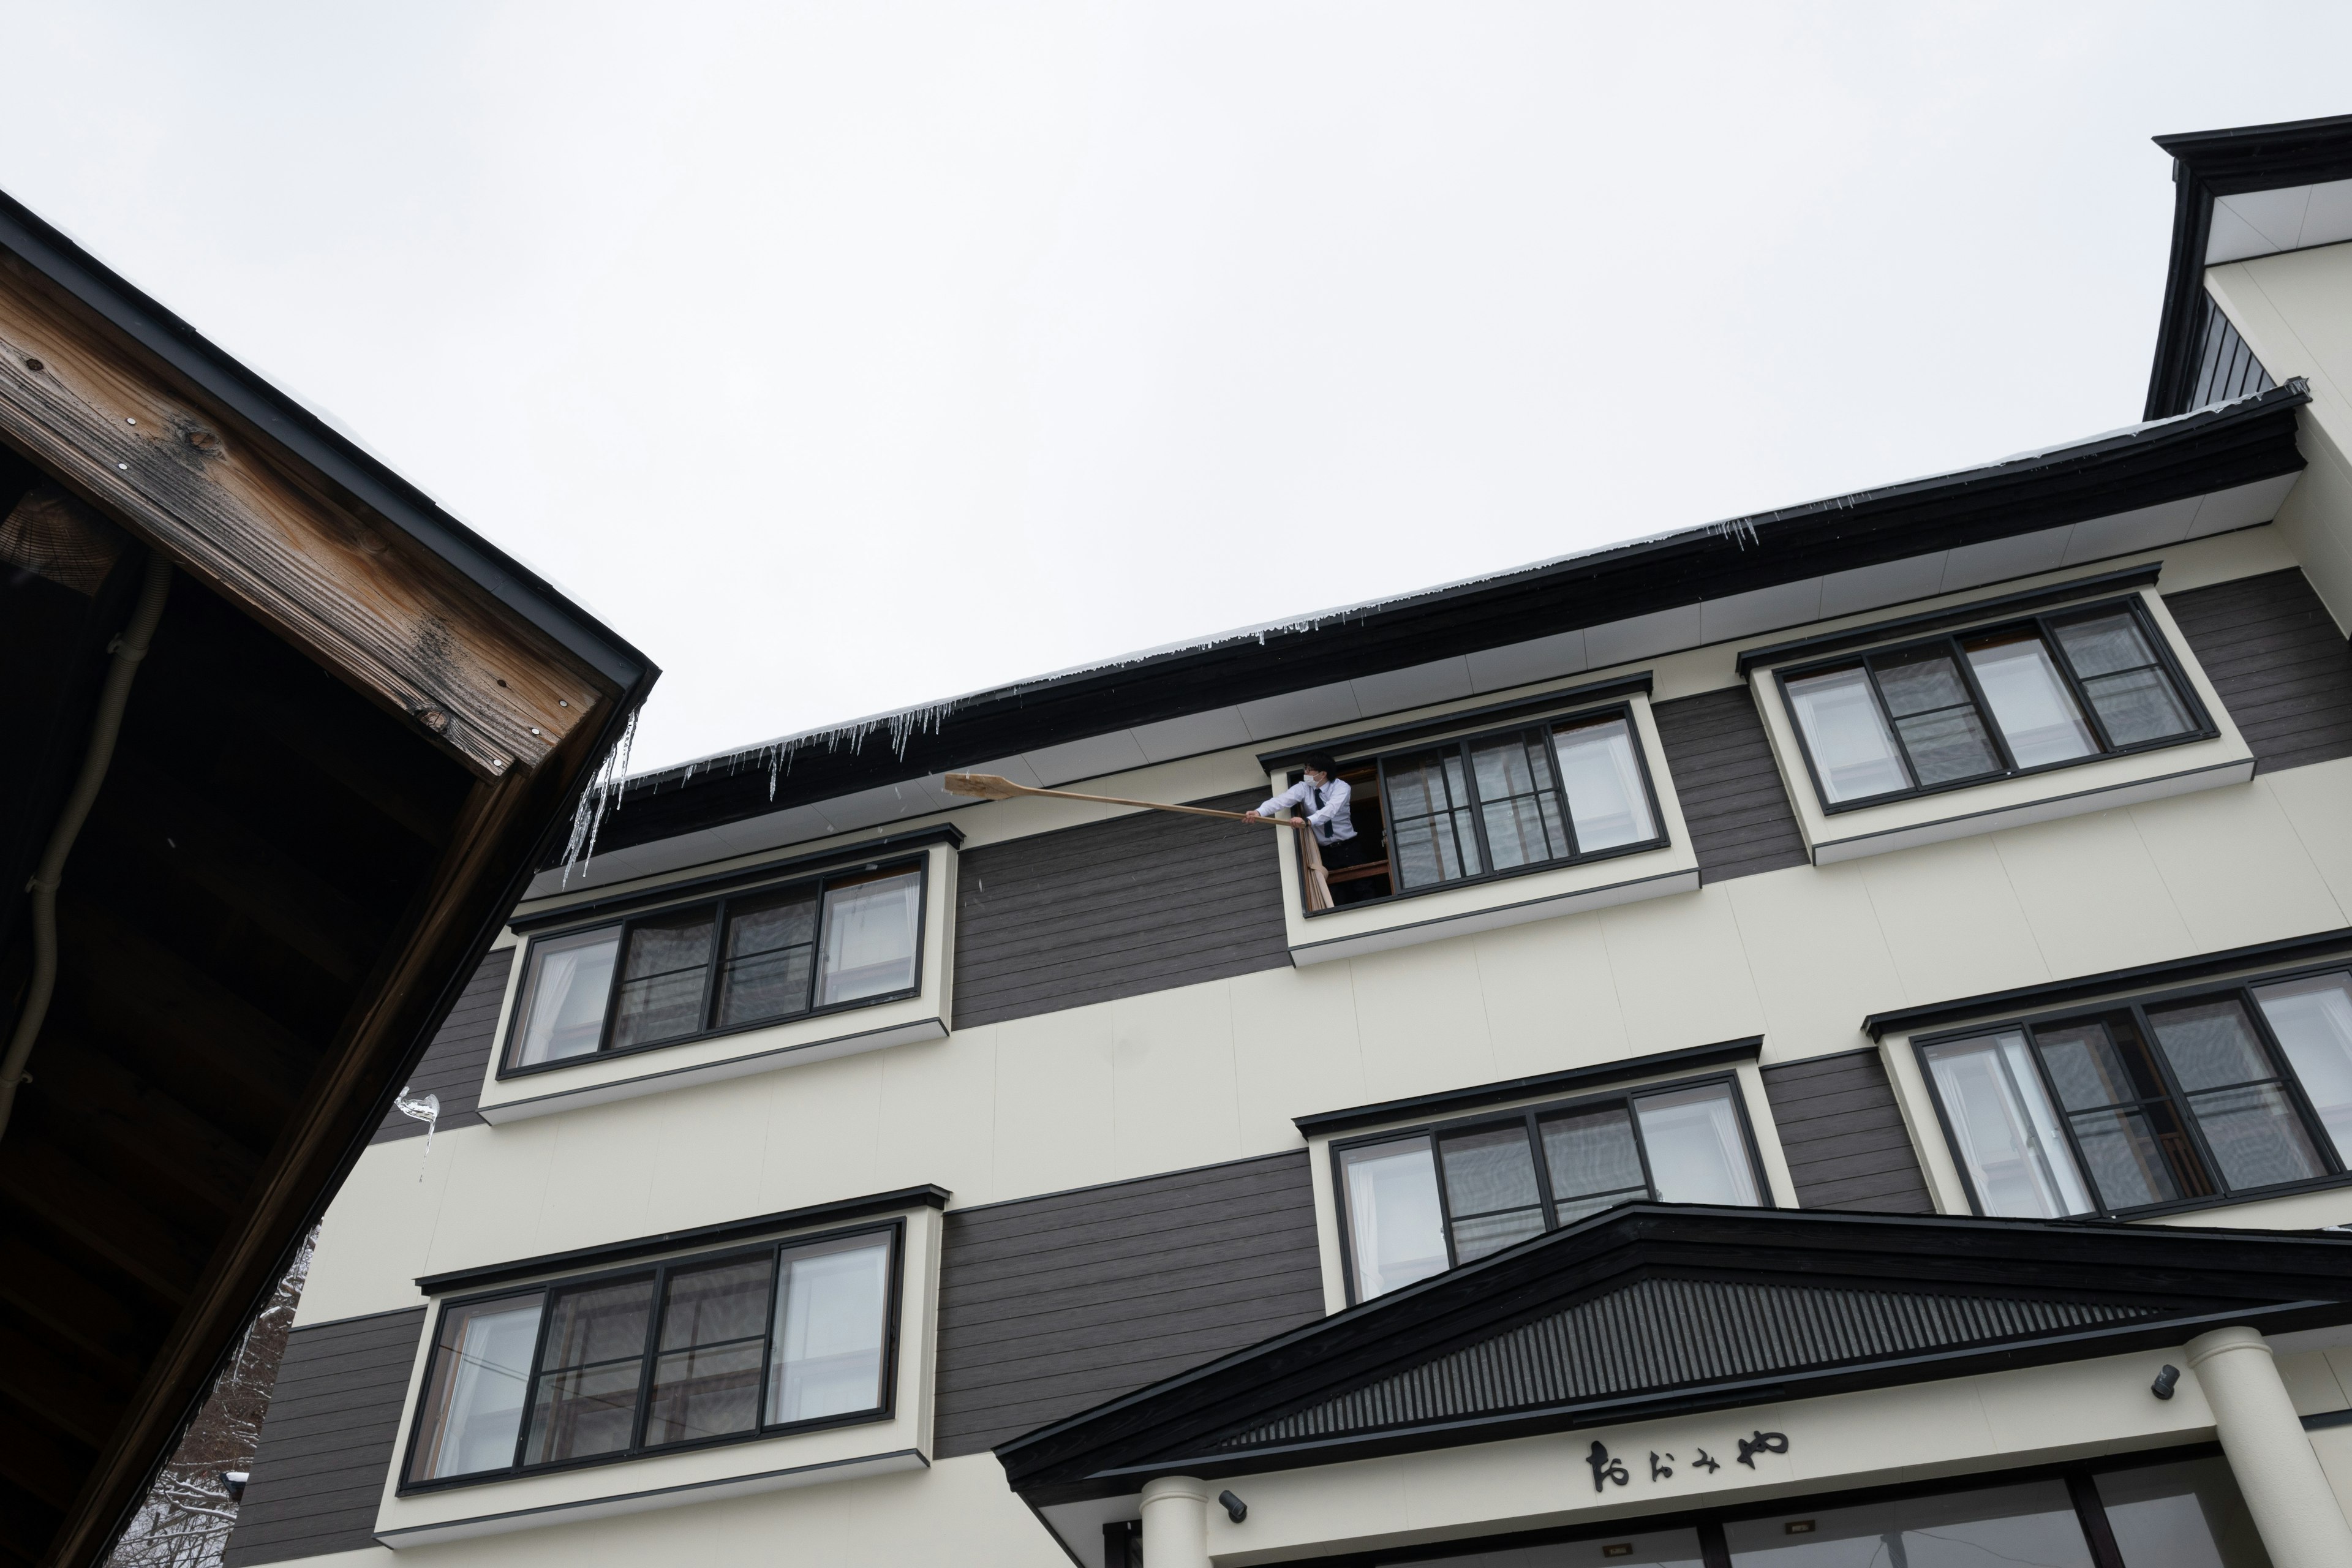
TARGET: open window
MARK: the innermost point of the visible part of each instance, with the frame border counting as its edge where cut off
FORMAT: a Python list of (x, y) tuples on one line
[(1472, 808)]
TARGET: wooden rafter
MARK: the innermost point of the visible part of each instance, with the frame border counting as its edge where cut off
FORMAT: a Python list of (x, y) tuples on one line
[(359, 598)]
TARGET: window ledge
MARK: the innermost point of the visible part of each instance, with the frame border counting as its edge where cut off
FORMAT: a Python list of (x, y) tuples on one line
[(929, 1025), (1439, 922), (2048, 808), (645, 1501)]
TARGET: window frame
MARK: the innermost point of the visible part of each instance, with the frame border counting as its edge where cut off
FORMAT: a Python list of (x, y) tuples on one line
[(1542, 724), (719, 905), (658, 1271), (1530, 1117), (2241, 990), (2041, 623)]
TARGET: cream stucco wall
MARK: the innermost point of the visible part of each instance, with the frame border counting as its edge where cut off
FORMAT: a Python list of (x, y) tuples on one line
[(1209, 1072)]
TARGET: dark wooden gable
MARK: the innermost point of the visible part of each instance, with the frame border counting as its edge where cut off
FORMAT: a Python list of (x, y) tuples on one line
[(1658, 1308), (357, 729)]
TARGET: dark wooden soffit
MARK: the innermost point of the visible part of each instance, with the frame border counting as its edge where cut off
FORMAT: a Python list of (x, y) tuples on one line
[(2209, 164), (2204, 452), (2125, 1286), (252, 967), (127, 406)]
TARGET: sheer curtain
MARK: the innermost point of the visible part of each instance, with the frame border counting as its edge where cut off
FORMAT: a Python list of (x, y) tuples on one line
[(1697, 1154), (1394, 1231), (2004, 1130), (485, 1367), (2313, 1020), (563, 999), (869, 947), (829, 1331)]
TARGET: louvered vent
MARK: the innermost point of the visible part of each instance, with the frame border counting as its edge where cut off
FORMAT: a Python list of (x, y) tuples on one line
[(1664, 1333)]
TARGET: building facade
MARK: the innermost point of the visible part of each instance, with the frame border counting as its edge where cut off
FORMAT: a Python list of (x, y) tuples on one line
[(1835, 1047)]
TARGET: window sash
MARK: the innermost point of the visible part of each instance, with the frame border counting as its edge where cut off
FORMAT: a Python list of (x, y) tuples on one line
[(1971, 707), (432, 1433), (1554, 1209), (1463, 825), (2189, 1141), (718, 966)]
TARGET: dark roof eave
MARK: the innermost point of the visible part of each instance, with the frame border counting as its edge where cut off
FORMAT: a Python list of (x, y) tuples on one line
[(2285, 1280), (2212, 450), (2211, 164), (211, 370)]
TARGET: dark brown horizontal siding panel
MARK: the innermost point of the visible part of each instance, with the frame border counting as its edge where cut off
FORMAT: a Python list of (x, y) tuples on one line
[(328, 1442), (2280, 664), (458, 1059), (1843, 1136), (1079, 1301), (1729, 787), (1051, 1304), (1115, 909), (1144, 1201)]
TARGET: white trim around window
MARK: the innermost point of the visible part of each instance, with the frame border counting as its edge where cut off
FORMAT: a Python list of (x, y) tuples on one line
[(1563, 879), (558, 1051), (657, 1456), (2016, 781)]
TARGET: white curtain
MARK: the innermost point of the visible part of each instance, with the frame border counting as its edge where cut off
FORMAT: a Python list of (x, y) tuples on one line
[(1395, 1229), (485, 1367), (1697, 1154), (829, 1332), (2005, 1131), (869, 947), (564, 1002), (2312, 1019), (1605, 797)]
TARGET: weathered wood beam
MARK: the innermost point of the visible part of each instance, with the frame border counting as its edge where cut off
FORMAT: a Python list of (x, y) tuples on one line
[(362, 600)]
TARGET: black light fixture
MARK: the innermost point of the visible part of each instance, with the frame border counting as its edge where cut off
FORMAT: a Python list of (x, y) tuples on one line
[(2166, 1381), (1236, 1509), (233, 1482)]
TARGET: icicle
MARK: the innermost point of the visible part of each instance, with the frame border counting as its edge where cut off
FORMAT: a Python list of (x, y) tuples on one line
[(603, 792), (424, 1108)]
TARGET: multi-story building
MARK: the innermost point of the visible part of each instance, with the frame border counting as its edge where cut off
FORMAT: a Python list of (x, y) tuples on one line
[(1833, 1046)]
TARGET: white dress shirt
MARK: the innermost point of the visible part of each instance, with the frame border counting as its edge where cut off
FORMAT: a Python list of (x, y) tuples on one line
[(1327, 808)]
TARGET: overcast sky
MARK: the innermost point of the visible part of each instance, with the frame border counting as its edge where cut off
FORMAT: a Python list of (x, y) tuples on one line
[(849, 356)]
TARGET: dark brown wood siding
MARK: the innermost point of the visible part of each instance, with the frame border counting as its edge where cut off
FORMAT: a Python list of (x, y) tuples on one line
[(459, 1056), (1050, 1305), (1732, 798), (1844, 1139), (1114, 909), (2283, 671), (328, 1443)]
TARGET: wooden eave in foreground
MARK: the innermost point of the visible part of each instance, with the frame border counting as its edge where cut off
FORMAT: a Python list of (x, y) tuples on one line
[(286, 879)]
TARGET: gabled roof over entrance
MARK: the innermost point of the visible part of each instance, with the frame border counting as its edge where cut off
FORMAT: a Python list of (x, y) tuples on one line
[(1658, 1308)]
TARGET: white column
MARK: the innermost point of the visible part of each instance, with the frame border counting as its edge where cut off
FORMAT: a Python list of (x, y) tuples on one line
[(1176, 1524), (2285, 1491)]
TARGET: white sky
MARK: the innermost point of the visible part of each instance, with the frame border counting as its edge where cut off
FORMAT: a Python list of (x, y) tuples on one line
[(847, 356)]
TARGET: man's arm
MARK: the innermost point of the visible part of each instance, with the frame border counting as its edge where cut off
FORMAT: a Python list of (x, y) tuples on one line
[(1290, 796)]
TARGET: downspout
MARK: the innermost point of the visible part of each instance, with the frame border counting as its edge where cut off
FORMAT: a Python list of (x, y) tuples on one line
[(128, 650)]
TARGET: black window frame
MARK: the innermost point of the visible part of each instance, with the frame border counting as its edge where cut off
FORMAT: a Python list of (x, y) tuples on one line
[(719, 908), (658, 1272), (2240, 989), (2043, 624), (1530, 1117), (1541, 726)]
